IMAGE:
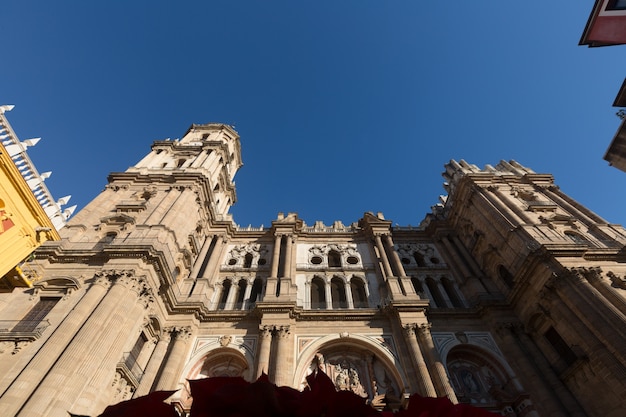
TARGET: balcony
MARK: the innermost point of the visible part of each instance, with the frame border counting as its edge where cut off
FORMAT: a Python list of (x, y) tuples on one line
[(22, 330)]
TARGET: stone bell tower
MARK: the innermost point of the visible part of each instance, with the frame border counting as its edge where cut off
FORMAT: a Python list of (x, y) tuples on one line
[(108, 289)]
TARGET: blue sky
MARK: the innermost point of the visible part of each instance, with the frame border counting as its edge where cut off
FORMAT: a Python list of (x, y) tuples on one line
[(342, 106)]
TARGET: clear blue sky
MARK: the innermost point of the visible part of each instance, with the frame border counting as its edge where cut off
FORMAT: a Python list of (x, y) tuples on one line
[(342, 106)]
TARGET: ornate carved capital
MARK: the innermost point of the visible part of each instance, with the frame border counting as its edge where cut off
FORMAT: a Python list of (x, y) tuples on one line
[(592, 274), (146, 297), (282, 331), (424, 329), (265, 331), (410, 329), (180, 332)]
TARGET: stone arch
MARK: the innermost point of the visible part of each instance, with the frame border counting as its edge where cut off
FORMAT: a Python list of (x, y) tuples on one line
[(215, 359), (358, 288), (431, 284), (338, 292), (59, 283), (214, 353), (318, 292), (351, 353), (481, 378)]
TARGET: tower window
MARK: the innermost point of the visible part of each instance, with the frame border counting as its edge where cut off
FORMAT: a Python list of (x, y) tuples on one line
[(419, 258), (247, 262), (560, 346), (359, 296), (255, 294), (505, 276), (576, 238), (224, 296), (318, 293), (338, 292), (334, 259)]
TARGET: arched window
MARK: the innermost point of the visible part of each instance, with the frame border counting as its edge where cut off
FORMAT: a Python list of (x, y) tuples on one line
[(255, 294), (576, 238), (417, 286), (359, 296), (247, 261), (419, 258), (338, 293), (476, 377), (224, 295), (318, 293), (505, 276), (434, 291), (334, 259), (452, 294), (241, 292)]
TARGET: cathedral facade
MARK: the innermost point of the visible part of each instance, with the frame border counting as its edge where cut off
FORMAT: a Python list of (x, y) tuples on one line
[(509, 296)]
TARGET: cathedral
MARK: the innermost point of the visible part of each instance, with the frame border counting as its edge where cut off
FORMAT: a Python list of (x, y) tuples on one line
[(509, 295)]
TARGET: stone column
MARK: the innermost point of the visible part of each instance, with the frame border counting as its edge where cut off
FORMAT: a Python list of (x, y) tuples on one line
[(154, 363), (568, 400), (57, 392), (30, 377), (444, 293), (502, 204), (265, 343), (271, 287), (232, 294), (537, 369), (287, 256), (285, 280), (157, 215), (168, 380), (275, 257), (94, 397), (217, 295), (602, 319), (441, 376), (178, 212), (404, 282), (607, 290), (561, 311), (395, 257), (215, 256), (426, 290), (197, 266), (383, 257), (349, 299), (307, 294), (329, 294), (282, 360), (246, 295), (453, 252), (425, 383)]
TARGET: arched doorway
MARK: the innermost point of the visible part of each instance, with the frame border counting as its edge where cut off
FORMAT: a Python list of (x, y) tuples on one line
[(358, 365)]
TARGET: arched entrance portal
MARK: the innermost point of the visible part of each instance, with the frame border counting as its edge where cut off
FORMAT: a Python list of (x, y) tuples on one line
[(357, 366), (481, 380)]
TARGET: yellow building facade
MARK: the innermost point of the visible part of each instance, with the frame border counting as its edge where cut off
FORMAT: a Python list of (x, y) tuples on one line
[(24, 222)]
